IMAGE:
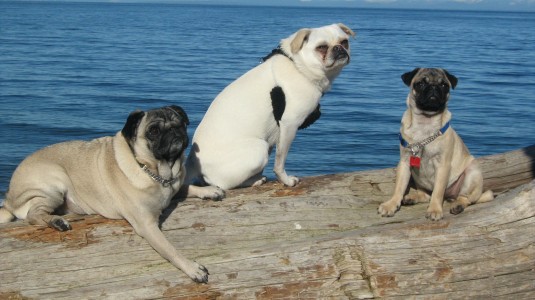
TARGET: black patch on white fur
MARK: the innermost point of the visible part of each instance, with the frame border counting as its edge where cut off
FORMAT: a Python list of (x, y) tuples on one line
[(313, 117), (278, 101)]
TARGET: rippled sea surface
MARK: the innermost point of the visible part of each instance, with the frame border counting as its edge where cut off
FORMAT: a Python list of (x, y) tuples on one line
[(76, 70)]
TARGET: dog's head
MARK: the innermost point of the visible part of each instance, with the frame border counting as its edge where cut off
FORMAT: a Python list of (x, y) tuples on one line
[(320, 52), (430, 88), (158, 134)]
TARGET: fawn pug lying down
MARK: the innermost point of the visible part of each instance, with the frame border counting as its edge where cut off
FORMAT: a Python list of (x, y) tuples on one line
[(132, 175)]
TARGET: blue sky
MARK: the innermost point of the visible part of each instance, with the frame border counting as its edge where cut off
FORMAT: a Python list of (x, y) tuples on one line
[(498, 5)]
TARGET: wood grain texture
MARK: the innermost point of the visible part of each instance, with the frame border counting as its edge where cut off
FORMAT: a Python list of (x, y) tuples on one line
[(321, 239)]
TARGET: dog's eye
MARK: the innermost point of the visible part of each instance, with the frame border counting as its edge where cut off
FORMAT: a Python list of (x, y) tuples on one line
[(154, 131), (345, 44), (420, 85), (322, 49)]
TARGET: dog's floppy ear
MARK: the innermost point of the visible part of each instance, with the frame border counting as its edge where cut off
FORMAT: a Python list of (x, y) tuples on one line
[(347, 30), (299, 39), (130, 128), (180, 112), (407, 77), (453, 80)]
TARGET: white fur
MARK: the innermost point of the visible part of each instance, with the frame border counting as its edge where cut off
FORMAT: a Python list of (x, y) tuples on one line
[(233, 142)]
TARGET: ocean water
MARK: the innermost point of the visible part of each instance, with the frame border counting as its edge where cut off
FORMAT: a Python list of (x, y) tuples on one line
[(76, 70)]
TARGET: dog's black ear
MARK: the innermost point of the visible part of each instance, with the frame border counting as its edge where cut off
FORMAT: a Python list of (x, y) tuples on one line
[(181, 112), (453, 80), (130, 128), (407, 77)]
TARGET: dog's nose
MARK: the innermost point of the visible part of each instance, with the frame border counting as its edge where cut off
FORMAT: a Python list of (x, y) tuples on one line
[(434, 92), (339, 51)]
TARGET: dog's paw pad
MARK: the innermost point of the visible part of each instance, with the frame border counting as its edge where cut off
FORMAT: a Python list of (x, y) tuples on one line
[(60, 224)]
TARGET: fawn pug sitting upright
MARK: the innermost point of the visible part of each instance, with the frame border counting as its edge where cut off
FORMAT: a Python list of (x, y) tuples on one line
[(132, 175), (432, 152)]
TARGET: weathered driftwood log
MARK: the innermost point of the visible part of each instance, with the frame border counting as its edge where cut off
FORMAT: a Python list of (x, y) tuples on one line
[(320, 239)]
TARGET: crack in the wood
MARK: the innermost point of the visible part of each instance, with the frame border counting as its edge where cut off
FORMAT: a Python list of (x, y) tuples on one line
[(351, 261)]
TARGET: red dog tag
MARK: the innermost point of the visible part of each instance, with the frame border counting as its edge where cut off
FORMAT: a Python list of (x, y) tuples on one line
[(415, 161)]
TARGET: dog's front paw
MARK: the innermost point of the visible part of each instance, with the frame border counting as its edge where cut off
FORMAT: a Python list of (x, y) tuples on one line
[(285, 178), (434, 214), (212, 192), (198, 273), (206, 192), (291, 181), (388, 208)]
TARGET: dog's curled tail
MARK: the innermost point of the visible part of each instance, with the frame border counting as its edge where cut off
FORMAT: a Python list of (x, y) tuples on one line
[(486, 197), (5, 215)]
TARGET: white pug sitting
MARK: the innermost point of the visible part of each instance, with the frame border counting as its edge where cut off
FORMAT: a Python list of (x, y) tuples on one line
[(265, 107)]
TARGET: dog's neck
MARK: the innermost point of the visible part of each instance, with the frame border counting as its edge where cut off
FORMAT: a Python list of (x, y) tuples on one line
[(276, 51), (165, 173), (317, 76), (161, 171), (165, 169), (418, 123)]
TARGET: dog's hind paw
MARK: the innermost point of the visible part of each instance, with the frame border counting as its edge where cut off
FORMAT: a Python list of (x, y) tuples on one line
[(457, 209), (260, 181), (60, 224)]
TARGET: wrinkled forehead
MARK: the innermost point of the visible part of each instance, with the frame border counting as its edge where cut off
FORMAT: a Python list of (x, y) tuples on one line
[(432, 76), (331, 34), (163, 115)]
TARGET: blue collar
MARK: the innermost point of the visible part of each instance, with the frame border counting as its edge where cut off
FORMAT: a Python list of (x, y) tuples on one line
[(442, 130)]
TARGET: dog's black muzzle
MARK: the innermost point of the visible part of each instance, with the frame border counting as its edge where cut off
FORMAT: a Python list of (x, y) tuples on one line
[(433, 98), (171, 146), (340, 52)]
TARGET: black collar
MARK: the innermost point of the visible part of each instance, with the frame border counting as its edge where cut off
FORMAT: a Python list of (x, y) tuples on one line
[(274, 52)]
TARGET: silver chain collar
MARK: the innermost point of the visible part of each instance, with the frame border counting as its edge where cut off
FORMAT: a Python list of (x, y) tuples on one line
[(415, 148), (164, 182)]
